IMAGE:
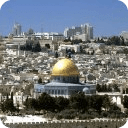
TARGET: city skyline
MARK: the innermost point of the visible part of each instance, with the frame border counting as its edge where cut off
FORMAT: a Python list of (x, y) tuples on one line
[(107, 17)]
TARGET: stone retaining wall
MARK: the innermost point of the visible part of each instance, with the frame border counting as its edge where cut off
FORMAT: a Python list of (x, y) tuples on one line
[(70, 124)]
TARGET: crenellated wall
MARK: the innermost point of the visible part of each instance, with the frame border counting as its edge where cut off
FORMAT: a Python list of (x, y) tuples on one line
[(112, 123)]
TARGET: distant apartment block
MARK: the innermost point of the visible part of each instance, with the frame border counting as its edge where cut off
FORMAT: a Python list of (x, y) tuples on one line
[(16, 29), (69, 32), (84, 32), (64, 47), (50, 36)]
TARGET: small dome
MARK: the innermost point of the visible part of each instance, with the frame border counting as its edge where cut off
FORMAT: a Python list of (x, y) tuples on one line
[(86, 90), (65, 67)]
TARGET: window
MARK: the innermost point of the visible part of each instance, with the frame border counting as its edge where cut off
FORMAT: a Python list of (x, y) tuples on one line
[(55, 92), (64, 79), (73, 79), (68, 79), (59, 92), (65, 92), (62, 92)]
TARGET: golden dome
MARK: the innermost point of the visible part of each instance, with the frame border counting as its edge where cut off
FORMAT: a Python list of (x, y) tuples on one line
[(64, 67)]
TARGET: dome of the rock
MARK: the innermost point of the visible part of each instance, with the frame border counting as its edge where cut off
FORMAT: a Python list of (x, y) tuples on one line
[(65, 67)]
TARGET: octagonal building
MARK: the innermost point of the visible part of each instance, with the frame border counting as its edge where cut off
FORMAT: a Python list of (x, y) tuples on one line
[(65, 81)]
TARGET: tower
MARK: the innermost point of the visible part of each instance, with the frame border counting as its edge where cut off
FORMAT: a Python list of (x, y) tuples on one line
[(89, 31), (17, 29)]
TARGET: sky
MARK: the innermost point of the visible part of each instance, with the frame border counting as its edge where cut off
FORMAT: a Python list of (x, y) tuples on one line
[(108, 17)]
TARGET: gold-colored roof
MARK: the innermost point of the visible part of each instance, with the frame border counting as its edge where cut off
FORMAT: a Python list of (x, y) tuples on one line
[(65, 67)]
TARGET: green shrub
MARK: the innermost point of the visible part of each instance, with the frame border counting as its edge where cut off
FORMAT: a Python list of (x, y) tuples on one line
[(112, 115), (68, 116), (50, 115), (104, 114), (69, 113), (126, 112), (94, 114), (58, 116), (83, 116)]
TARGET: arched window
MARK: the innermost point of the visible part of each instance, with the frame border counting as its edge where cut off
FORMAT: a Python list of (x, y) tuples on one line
[(67, 79), (64, 79), (58, 92), (58, 78), (71, 79), (62, 92), (55, 92), (52, 91)]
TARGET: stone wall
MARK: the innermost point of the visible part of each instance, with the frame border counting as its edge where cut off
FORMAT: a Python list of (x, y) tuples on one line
[(70, 124)]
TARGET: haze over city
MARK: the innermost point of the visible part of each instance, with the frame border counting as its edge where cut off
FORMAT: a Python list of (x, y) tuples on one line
[(107, 17)]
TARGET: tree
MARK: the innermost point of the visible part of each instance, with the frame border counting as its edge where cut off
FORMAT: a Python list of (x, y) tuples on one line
[(98, 88), (31, 45), (73, 51), (77, 41), (31, 103), (116, 88), (8, 105), (78, 101), (122, 41), (28, 45), (56, 55), (114, 108), (69, 55), (66, 51), (104, 88), (125, 102), (97, 102), (106, 102), (47, 46), (12, 96), (125, 51), (81, 49), (61, 103), (36, 47), (46, 102), (67, 40), (28, 88), (39, 80), (91, 77), (115, 40)]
